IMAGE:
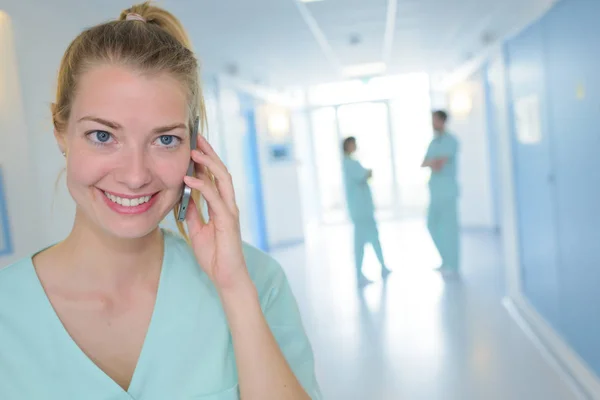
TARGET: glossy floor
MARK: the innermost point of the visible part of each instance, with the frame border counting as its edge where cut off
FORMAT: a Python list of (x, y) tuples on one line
[(414, 336)]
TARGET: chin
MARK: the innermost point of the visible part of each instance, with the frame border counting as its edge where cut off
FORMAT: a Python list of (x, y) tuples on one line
[(131, 232)]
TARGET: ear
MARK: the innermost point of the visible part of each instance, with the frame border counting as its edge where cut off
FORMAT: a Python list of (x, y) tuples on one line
[(60, 140)]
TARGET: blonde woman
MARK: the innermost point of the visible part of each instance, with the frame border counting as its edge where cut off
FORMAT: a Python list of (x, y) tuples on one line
[(121, 309)]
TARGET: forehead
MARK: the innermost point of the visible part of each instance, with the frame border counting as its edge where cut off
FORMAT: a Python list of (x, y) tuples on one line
[(127, 96)]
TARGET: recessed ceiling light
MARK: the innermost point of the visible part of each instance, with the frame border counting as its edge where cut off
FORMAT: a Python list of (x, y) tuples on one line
[(309, 1), (360, 70)]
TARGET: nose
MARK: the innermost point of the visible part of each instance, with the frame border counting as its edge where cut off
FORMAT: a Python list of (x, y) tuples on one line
[(134, 171)]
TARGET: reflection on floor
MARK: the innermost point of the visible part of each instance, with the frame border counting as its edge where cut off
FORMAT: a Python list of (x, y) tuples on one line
[(414, 336)]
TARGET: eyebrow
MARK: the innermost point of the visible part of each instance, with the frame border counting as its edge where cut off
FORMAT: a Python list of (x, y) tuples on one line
[(169, 128), (115, 125), (104, 122)]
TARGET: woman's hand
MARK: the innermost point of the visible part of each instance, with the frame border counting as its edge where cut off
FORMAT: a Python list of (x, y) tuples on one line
[(263, 371), (217, 244)]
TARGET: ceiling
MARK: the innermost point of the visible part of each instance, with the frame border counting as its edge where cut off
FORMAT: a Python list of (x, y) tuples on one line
[(271, 41), (283, 42)]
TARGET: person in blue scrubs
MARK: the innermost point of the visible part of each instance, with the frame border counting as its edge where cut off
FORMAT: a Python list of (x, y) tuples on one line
[(122, 309), (361, 209), (442, 216)]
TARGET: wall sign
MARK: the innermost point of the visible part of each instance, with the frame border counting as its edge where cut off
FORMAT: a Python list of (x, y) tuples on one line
[(274, 122), (528, 120)]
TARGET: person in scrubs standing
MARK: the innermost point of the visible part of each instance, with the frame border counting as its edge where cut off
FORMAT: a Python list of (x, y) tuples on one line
[(359, 200), (442, 217), (122, 309)]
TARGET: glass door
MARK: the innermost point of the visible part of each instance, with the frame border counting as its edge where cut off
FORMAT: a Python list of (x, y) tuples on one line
[(391, 120), (369, 123), (328, 159)]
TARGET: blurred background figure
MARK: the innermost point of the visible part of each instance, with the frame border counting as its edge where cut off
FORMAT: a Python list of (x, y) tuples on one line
[(442, 216), (361, 210)]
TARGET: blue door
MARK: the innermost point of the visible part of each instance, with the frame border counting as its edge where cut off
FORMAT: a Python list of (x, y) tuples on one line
[(534, 176)]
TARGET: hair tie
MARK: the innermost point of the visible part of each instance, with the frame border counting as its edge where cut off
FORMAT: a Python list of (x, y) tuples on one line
[(134, 17)]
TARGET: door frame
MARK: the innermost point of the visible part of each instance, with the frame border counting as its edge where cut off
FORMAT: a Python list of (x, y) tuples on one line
[(391, 136)]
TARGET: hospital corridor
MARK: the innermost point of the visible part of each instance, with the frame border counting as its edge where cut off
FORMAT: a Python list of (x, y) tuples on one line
[(299, 199), (414, 336)]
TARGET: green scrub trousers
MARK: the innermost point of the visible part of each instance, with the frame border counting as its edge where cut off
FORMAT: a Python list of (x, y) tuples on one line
[(362, 212)]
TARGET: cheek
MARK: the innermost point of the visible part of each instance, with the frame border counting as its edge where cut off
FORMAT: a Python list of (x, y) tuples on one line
[(171, 171), (86, 168)]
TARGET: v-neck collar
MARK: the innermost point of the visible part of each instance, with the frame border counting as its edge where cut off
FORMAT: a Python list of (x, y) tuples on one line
[(136, 385)]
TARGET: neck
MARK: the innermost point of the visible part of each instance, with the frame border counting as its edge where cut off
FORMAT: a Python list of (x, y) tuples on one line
[(99, 259)]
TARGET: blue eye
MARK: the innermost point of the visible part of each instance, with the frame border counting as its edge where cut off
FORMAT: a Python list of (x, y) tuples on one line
[(100, 137), (168, 141)]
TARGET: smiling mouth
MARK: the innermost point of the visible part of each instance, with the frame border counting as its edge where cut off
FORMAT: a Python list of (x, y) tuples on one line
[(128, 202)]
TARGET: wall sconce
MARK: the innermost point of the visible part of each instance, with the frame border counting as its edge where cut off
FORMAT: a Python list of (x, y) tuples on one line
[(278, 125), (461, 102)]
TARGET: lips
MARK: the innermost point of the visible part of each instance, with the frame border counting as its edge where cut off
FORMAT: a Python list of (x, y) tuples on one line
[(129, 204)]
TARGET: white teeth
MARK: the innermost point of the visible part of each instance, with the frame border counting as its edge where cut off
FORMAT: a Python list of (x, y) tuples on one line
[(127, 202)]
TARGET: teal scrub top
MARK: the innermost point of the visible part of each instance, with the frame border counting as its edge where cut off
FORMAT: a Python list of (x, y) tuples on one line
[(359, 198), (444, 183), (187, 353)]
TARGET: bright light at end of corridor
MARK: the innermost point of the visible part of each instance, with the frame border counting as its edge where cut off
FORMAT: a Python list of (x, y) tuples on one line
[(361, 70)]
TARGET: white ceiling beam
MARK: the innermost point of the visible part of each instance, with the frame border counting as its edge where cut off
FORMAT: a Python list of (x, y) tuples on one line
[(390, 31), (319, 36)]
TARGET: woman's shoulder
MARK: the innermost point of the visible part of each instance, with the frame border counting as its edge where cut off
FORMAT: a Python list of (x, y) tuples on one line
[(262, 266), (264, 270), (15, 277), (14, 269)]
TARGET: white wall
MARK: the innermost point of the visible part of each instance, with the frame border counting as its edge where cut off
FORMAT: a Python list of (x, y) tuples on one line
[(280, 181), (307, 174), (476, 206), (15, 152), (42, 32)]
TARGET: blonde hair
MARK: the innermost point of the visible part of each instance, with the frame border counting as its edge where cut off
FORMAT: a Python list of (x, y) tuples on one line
[(154, 43)]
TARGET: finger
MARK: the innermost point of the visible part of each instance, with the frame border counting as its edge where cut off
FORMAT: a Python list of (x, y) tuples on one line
[(210, 193), (193, 219), (222, 176), (210, 151)]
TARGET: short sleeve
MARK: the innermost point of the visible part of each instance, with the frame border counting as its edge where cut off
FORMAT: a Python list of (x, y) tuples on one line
[(429, 155), (283, 317)]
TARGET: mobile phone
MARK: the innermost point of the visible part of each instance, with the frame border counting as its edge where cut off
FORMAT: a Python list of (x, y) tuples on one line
[(187, 191)]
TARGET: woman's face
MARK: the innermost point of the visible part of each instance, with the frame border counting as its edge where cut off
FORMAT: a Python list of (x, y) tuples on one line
[(127, 145)]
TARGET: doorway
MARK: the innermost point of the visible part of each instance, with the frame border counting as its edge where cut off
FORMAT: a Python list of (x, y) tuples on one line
[(391, 120)]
